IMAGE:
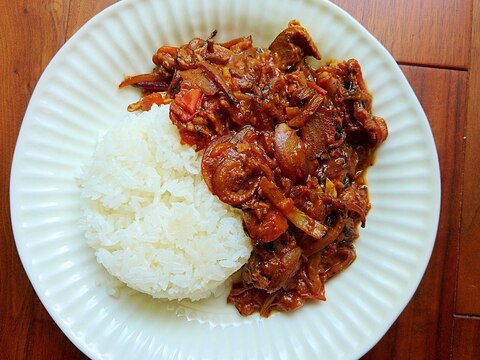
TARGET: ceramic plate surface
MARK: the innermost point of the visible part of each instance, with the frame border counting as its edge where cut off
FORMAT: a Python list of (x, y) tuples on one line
[(76, 100)]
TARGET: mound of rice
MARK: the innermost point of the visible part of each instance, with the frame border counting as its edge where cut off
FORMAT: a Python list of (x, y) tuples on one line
[(150, 217)]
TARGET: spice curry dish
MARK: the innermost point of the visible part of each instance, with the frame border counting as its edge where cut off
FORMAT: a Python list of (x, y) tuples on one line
[(286, 143)]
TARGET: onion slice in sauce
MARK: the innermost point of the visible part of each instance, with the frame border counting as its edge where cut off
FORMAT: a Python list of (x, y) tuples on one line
[(290, 154), (298, 218)]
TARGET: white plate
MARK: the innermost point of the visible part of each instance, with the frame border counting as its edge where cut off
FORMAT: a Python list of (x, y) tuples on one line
[(77, 99)]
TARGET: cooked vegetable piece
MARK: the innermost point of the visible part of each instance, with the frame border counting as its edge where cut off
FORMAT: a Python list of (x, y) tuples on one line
[(291, 154)]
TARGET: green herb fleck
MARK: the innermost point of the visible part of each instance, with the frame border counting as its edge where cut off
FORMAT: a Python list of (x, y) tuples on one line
[(338, 129)]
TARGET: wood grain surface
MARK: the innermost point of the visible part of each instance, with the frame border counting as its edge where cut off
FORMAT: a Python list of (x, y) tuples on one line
[(441, 45), (428, 32), (466, 338), (430, 311), (468, 279), (30, 35)]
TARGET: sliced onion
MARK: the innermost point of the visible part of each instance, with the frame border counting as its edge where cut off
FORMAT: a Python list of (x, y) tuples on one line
[(307, 111), (344, 257), (298, 218), (200, 79), (143, 78), (215, 75), (290, 154), (332, 234)]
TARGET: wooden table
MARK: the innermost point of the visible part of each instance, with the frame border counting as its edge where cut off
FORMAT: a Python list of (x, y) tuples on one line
[(437, 44)]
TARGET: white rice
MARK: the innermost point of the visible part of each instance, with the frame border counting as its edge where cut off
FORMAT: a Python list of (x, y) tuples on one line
[(150, 217)]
